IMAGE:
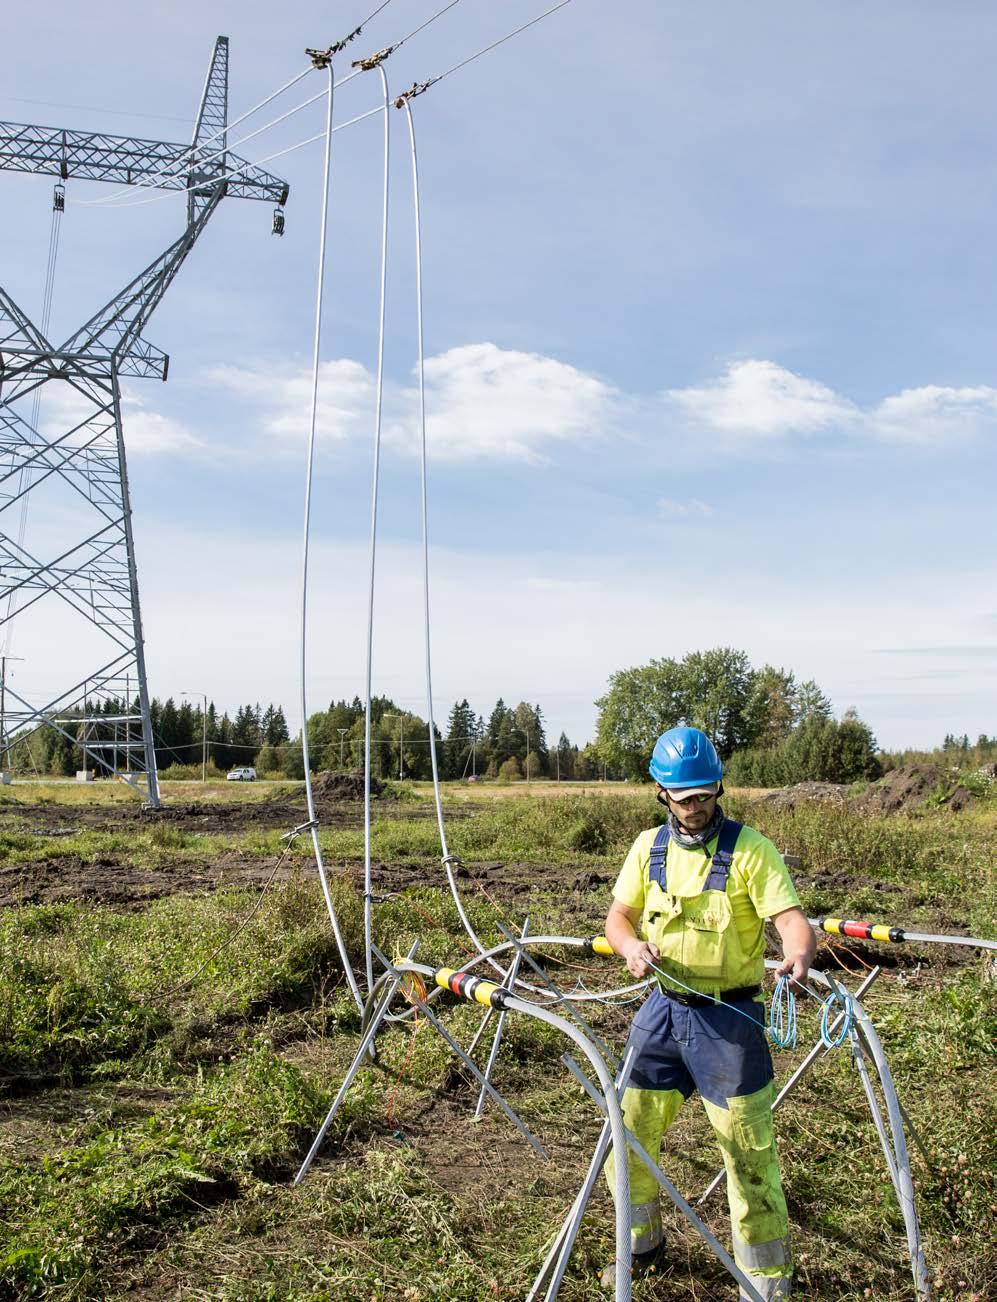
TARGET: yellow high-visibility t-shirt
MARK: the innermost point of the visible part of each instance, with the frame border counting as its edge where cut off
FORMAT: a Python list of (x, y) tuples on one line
[(759, 887)]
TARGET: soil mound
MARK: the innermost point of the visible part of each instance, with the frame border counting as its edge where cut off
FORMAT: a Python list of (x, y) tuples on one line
[(343, 786), (820, 793), (911, 787), (900, 791)]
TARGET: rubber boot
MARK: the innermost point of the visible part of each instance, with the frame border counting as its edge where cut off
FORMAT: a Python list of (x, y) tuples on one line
[(771, 1287), (643, 1264)]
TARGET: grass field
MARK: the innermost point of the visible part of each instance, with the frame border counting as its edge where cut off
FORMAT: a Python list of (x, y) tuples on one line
[(166, 1054)]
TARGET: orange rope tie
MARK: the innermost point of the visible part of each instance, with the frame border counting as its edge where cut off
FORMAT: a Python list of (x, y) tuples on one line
[(851, 954)]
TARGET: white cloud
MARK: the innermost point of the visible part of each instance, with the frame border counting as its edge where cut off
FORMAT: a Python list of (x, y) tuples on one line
[(762, 400), (484, 401), (345, 397), (150, 432), (481, 402), (936, 415), (489, 403)]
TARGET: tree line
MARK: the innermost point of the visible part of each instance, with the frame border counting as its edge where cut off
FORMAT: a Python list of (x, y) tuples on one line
[(512, 743), (181, 734), (768, 728)]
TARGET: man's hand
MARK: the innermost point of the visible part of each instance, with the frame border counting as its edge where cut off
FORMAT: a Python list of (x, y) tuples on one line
[(621, 932), (638, 956), (799, 944), (796, 966)]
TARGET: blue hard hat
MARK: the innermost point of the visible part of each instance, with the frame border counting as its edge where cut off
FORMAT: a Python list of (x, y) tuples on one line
[(685, 757)]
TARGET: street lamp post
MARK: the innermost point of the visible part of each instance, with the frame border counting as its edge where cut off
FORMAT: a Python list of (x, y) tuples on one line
[(526, 732), (204, 734)]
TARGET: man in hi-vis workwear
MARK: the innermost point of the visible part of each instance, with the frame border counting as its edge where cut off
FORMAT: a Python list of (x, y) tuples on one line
[(691, 903)]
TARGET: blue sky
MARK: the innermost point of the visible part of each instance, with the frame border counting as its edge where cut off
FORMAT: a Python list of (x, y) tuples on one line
[(712, 338)]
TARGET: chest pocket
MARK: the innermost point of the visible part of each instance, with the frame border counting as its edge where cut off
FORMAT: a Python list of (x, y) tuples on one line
[(706, 919), (691, 931)]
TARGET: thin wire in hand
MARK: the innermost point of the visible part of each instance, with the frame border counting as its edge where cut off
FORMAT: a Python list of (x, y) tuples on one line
[(782, 1014)]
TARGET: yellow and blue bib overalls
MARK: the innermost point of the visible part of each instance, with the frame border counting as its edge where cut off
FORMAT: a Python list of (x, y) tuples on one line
[(684, 1042)]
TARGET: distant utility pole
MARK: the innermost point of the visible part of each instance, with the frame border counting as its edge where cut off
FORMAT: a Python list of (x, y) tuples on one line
[(79, 471), (342, 738), (527, 732)]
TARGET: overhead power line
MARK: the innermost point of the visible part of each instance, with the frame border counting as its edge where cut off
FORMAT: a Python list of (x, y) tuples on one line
[(419, 87)]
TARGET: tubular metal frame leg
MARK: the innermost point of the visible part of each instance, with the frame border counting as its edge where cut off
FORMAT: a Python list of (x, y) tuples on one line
[(530, 1138), (510, 981), (366, 1040)]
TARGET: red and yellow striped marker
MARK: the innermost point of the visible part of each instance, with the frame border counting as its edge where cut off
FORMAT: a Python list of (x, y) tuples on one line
[(473, 988), (861, 930)]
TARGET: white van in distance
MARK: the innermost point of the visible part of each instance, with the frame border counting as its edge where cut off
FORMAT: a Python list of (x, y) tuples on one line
[(241, 775)]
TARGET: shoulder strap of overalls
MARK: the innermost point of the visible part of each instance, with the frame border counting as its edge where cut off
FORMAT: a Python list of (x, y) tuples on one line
[(658, 868), (720, 864)]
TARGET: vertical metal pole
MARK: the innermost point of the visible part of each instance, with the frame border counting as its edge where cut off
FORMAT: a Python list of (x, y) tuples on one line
[(152, 779), (3, 713), (401, 745), (204, 741), (128, 724)]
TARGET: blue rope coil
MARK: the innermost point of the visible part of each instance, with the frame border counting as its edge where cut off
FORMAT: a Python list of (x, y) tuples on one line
[(837, 1000), (782, 1026), (782, 1016)]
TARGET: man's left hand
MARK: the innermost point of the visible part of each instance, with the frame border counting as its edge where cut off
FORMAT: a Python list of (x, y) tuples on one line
[(798, 944), (795, 966)]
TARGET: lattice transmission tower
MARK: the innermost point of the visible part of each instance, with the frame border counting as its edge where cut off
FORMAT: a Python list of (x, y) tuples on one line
[(91, 572)]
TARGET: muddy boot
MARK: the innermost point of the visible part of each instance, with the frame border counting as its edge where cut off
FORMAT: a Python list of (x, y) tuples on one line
[(773, 1288), (643, 1264)]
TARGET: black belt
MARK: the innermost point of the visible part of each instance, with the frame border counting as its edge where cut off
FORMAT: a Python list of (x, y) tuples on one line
[(724, 997)]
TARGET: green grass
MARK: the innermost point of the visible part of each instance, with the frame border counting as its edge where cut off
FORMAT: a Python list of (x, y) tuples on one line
[(165, 1072)]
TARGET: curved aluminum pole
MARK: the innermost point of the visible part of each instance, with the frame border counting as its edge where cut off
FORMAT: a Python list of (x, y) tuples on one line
[(309, 795), (368, 921)]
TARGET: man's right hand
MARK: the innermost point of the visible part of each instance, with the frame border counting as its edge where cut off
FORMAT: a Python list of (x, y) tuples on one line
[(638, 956)]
